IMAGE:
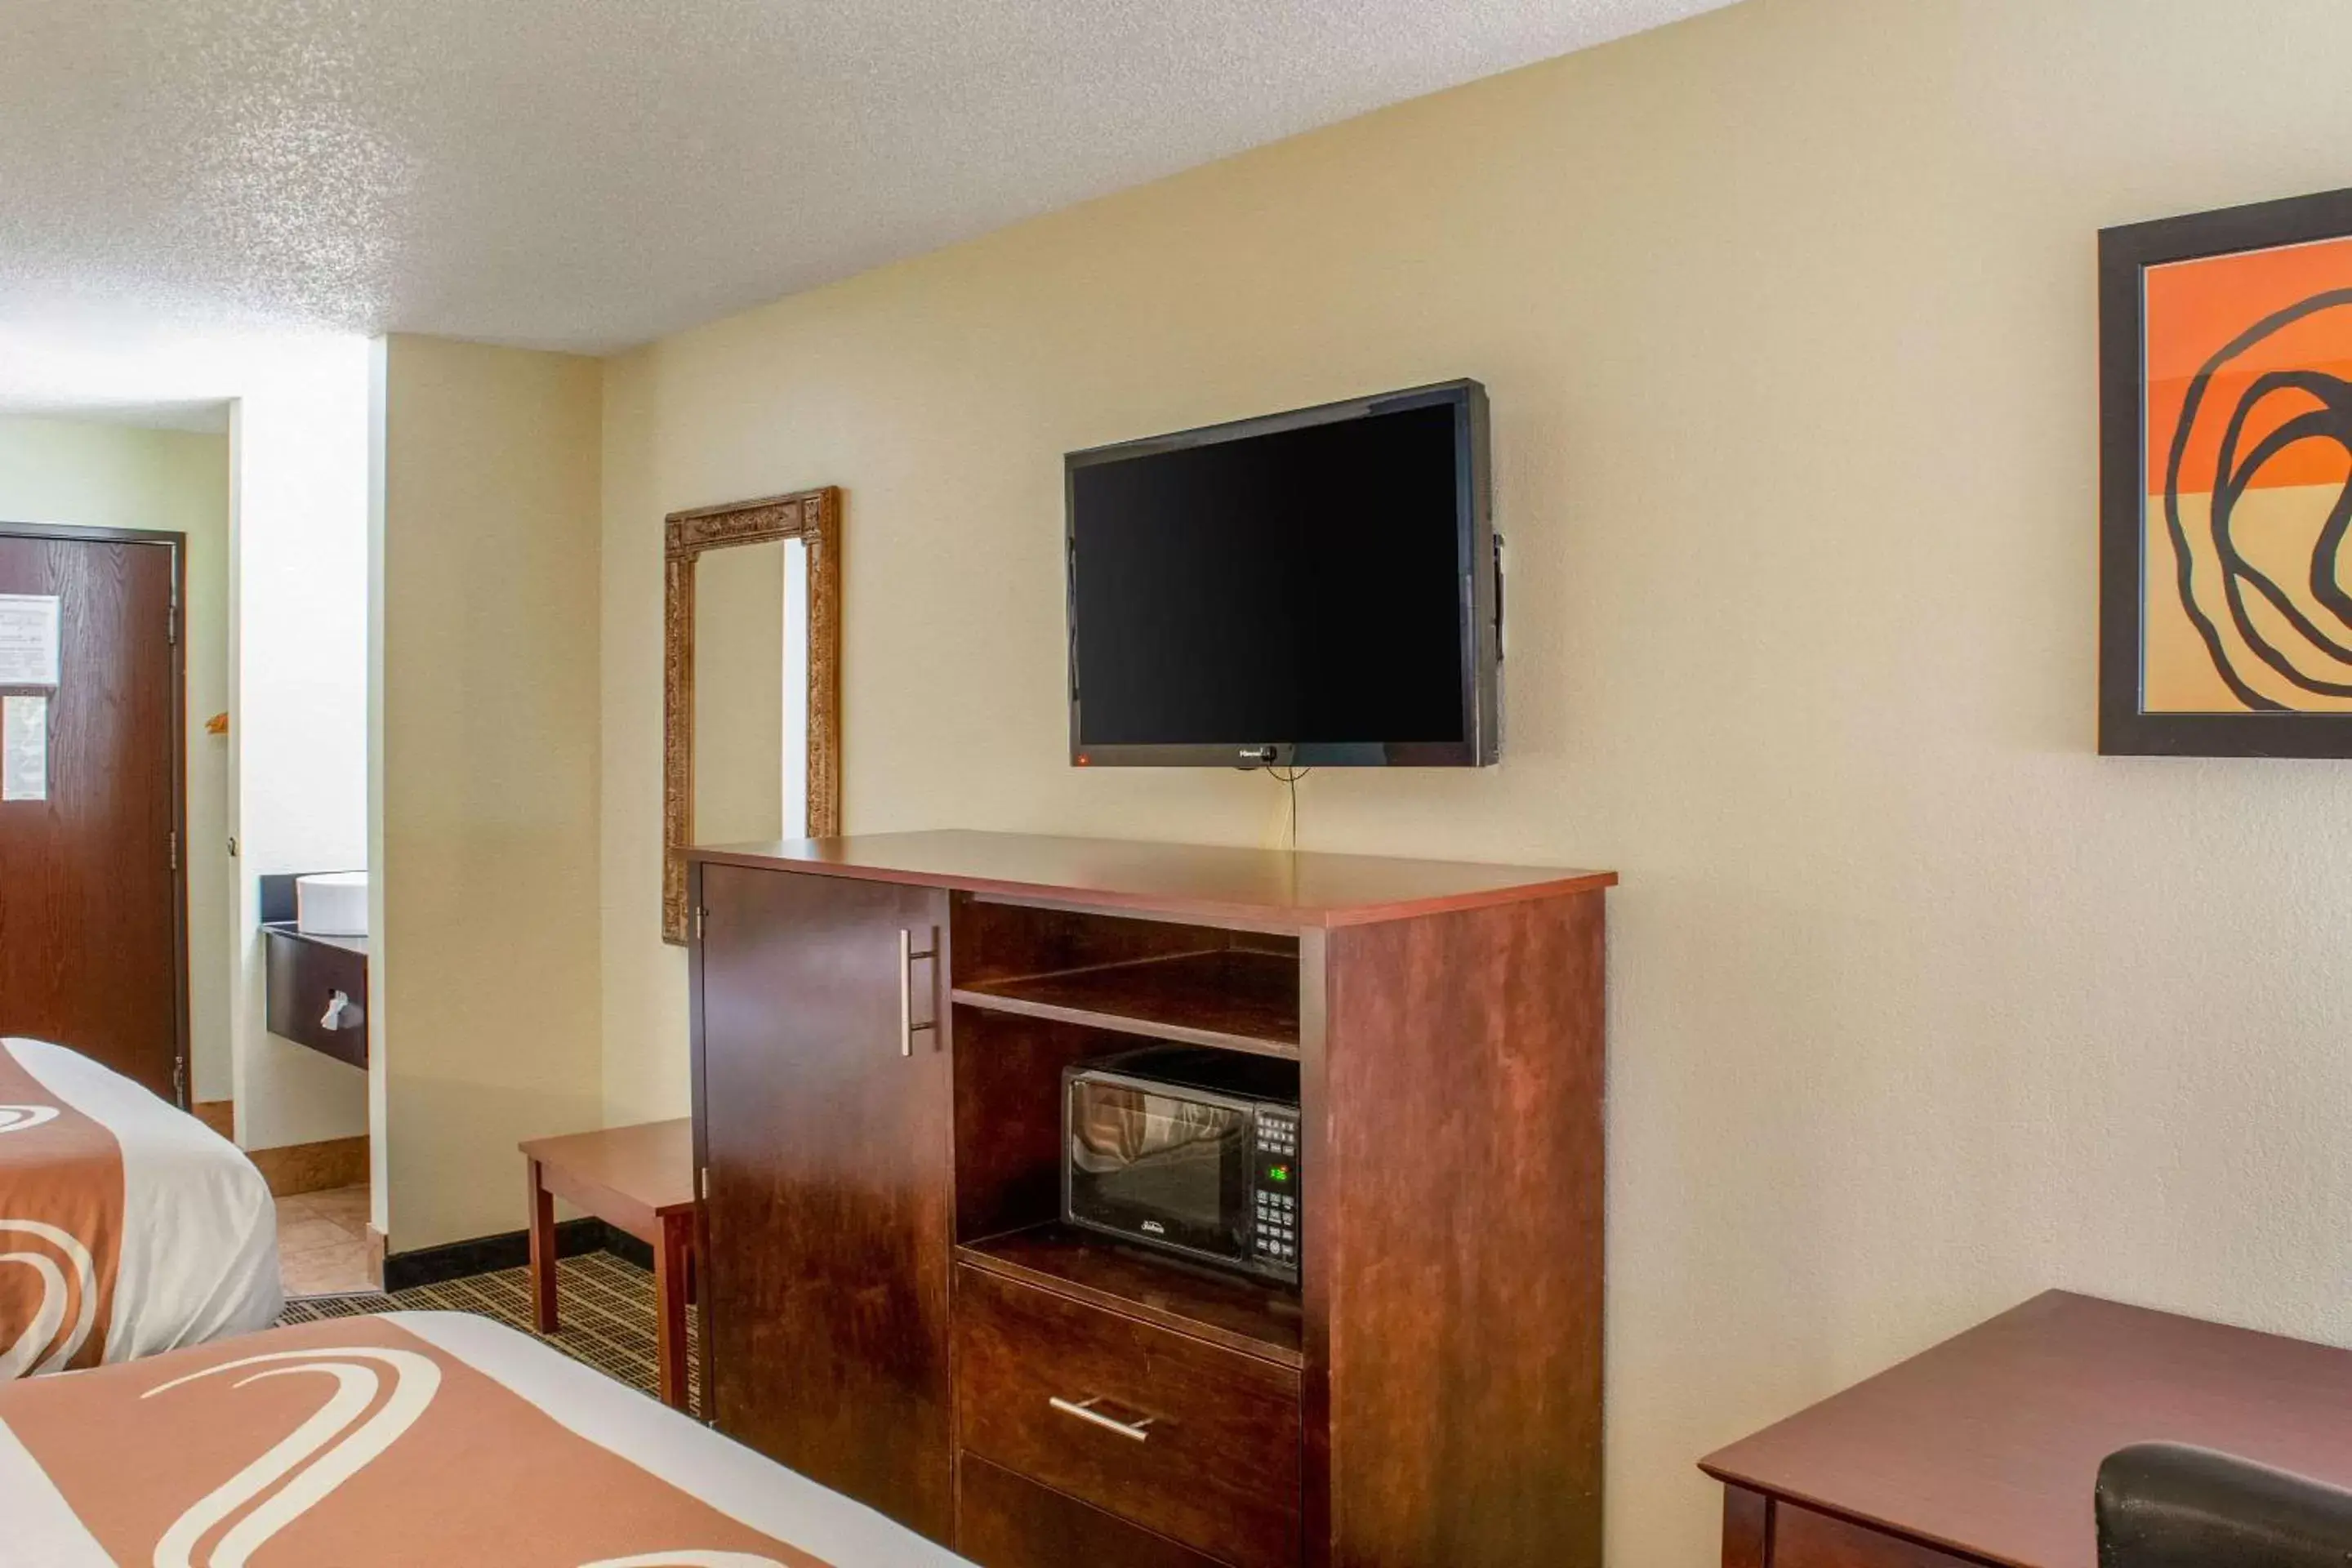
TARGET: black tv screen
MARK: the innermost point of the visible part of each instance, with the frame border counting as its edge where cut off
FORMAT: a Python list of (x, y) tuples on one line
[(1310, 589)]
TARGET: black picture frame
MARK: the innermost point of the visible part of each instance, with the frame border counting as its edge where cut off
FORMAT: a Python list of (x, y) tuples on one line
[(2126, 253)]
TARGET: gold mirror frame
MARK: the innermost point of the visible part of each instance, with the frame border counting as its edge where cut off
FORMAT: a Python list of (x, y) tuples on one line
[(813, 517)]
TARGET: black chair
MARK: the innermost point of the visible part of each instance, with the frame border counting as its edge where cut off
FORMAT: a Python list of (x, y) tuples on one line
[(2166, 1505)]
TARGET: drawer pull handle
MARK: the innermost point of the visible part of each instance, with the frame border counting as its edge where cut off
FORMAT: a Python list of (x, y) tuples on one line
[(342, 1013), (1085, 1410)]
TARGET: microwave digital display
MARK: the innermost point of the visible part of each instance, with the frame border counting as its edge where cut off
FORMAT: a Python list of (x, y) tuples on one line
[(1191, 1150)]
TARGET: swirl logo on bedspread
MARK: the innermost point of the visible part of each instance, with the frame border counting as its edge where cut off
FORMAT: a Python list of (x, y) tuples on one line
[(69, 1277), (25, 1118), (359, 1421), (351, 1428)]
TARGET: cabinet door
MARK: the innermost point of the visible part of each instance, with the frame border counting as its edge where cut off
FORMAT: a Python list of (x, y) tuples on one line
[(825, 1135)]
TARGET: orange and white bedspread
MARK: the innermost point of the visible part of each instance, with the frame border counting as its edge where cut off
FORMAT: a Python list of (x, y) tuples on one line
[(387, 1442), (126, 1226)]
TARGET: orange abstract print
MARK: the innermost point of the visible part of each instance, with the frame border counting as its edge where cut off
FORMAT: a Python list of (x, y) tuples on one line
[(2249, 482)]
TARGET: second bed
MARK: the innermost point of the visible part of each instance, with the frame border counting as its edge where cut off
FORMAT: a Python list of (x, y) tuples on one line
[(126, 1226)]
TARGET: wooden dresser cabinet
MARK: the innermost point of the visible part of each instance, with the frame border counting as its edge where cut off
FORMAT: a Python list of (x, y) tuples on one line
[(894, 1307)]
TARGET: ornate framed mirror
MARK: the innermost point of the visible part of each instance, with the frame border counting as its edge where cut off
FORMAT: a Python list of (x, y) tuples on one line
[(751, 692)]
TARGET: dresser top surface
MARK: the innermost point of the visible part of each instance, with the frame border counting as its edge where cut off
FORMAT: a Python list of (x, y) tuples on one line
[(1990, 1443), (1203, 882)]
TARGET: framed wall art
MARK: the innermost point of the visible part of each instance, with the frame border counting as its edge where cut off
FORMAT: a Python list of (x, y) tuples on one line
[(2226, 487)]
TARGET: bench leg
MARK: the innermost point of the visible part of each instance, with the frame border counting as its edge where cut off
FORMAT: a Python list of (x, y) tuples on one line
[(673, 1263), (543, 1253)]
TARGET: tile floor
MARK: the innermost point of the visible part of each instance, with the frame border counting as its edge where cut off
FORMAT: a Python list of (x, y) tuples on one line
[(322, 1243)]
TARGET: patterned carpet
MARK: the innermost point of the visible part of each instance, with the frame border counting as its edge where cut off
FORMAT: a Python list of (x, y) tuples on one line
[(605, 1304)]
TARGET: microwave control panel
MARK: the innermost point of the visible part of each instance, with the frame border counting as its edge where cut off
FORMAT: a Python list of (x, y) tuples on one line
[(1275, 1234)]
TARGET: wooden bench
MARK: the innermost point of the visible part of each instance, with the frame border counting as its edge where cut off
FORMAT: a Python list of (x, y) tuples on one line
[(640, 1179)]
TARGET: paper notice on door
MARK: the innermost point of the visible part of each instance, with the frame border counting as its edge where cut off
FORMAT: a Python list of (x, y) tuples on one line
[(29, 626), (24, 748)]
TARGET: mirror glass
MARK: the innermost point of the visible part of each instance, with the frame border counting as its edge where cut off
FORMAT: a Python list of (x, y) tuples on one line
[(751, 692)]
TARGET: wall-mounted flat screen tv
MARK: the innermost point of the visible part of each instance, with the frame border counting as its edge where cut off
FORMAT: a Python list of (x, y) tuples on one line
[(1312, 589)]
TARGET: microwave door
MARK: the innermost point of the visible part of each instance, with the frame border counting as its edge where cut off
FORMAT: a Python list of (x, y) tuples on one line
[(1161, 1168)]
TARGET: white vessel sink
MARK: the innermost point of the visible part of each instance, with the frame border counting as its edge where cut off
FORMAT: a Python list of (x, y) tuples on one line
[(334, 903)]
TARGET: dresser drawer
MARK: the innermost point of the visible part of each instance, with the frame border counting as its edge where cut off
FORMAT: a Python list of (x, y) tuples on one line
[(1803, 1539), (1195, 1442), (1004, 1521)]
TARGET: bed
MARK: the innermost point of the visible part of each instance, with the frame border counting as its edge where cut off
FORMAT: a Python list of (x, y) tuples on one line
[(126, 1227), (405, 1438)]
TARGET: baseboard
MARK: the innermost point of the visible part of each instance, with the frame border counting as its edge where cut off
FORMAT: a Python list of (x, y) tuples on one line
[(622, 1244), (220, 1115), (312, 1167), (490, 1254)]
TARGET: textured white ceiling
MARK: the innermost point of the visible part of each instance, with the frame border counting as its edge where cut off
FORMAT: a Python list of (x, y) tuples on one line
[(588, 174)]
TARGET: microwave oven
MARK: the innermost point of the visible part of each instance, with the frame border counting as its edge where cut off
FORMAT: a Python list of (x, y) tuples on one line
[(1191, 1151)]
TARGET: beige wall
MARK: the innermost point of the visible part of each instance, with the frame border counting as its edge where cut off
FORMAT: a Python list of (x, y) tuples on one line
[(487, 790), (297, 781), (1918, 1007), (98, 475)]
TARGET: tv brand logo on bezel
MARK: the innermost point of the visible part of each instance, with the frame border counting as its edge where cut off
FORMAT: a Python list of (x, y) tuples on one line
[(1153, 1228)]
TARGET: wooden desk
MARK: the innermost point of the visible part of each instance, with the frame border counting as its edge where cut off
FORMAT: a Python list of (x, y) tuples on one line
[(1985, 1449), (641, 1179)]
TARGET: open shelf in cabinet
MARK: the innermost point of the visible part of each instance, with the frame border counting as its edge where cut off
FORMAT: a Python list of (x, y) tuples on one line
[(1236, 998), (1253, 1316)]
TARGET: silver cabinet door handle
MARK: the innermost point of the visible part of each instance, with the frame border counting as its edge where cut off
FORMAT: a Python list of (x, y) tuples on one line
[(1083, 1409), (342, 1013), (906, 991), (908, 1027)]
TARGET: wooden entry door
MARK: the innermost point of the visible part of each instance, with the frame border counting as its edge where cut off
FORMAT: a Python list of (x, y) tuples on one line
[(94, 903)]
